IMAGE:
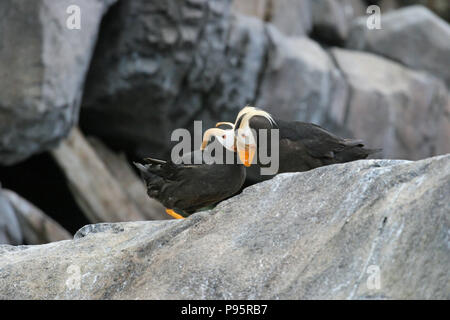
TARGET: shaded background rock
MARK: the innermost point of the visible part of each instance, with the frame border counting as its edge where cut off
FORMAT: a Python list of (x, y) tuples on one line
[(154, 64), (407, 36), (42, 72), (392, 106), (440, 7), (300, 73), (36, 226), (332, 19), (297, 236), (291, 17), (23, 223), (10, 232)]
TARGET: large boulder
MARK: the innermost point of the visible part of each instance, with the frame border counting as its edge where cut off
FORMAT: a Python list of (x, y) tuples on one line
[(155, 63), (300, 80), (362, 230), (389, 106), (42, 69), (414, 36)]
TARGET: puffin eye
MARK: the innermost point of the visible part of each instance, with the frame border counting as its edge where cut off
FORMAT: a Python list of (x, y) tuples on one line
[(224, 136)]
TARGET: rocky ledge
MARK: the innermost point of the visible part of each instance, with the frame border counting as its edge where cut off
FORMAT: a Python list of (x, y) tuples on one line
[(362, 230)]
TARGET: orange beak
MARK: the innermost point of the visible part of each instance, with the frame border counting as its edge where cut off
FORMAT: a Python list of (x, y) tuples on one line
[(246, 154)]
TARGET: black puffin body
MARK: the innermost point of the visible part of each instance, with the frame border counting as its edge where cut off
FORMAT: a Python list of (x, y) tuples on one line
[(305, 146), (185, 188)]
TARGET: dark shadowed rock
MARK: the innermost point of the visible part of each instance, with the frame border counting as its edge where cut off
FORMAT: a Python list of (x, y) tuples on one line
[(36, 226), (332, 19), (152, 70), (414, 36), (42, 69), (362, 230)]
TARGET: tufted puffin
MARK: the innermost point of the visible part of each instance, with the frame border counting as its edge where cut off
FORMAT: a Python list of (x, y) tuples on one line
[(302, 146), (185, 188)]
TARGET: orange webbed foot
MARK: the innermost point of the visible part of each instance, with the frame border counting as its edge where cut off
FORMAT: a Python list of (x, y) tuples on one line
[(173, 214)]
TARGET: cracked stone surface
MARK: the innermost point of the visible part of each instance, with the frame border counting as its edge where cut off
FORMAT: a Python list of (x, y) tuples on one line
[(320, 234)]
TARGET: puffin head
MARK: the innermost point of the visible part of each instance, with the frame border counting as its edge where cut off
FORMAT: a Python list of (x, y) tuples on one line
[(245, 139), (225, 137)]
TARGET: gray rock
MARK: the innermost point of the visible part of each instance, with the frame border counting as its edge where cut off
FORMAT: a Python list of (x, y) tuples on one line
[(300, 81), (329, 233), (440, 7), (42, 72), (328, 20), (332, 19), (413, 36), (291, 17), (155, 63), (405, 112), (254, 8), (239, 81), (35, 225), (10, 231)]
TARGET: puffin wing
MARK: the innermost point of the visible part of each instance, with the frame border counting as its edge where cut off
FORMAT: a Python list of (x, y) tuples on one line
[(190, 186), (318, 142)]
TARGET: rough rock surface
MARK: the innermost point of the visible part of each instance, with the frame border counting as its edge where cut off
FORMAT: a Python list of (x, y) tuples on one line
[(300, 81), (389, 106), (414, 36), (362, 230), (332, 19), (291, 17), (327, 20), (154, 65), (42, 71)]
